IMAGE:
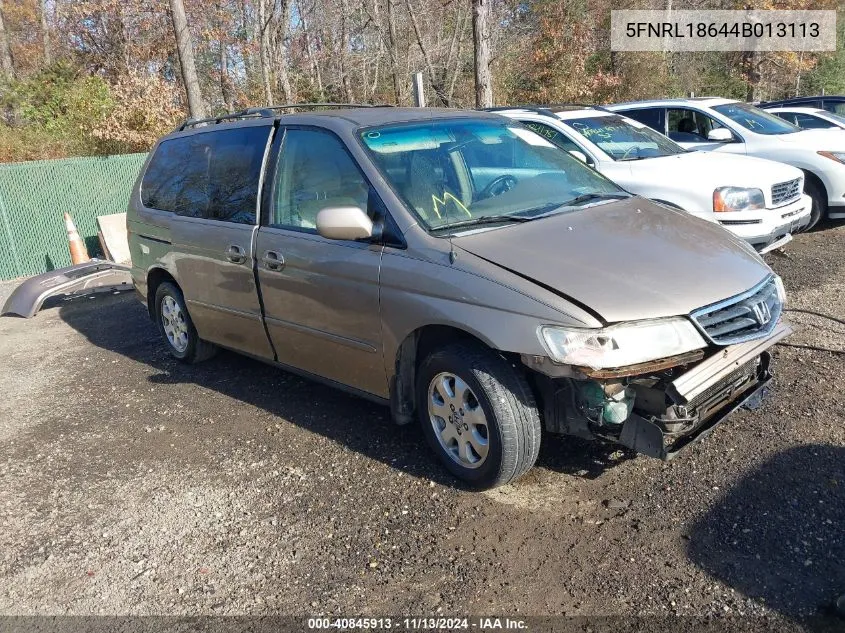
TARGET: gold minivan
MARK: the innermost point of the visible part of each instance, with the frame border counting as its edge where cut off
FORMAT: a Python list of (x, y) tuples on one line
[(457, 267)]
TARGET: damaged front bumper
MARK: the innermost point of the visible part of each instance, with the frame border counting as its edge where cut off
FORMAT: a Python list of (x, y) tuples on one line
[(658, 437), (669, 408)]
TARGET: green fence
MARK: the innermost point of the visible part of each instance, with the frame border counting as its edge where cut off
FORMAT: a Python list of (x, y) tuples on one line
[(34, 197)]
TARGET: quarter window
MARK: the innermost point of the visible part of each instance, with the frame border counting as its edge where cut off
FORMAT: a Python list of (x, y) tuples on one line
[(314, 172), (210, 175)]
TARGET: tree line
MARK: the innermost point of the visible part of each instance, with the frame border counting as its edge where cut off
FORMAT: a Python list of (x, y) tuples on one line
[(109, 76)]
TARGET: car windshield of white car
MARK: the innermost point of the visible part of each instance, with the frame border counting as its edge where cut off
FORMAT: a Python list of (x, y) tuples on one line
[(755, 119), (622, 139)]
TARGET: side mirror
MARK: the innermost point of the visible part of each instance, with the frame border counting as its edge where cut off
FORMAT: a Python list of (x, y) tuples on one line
[(720, 135), (344, 223), (577, 153)]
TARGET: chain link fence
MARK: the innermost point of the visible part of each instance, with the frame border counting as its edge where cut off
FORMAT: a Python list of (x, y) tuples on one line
[(34, 196)]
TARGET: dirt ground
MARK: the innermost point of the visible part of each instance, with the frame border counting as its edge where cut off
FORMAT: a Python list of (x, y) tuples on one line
[(131, 484)]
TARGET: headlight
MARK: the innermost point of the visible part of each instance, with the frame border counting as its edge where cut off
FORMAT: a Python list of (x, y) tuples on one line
[(839, 157), (737, 199), (781, 290), (621, 345)]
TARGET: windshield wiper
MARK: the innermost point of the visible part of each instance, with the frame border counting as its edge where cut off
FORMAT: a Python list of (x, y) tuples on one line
[(483, 219), (570, 205), (587, 197)]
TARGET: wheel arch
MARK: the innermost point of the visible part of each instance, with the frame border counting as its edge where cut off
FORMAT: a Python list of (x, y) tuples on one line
[(155, 277), (810, 176), (413, 348), (814, 180)]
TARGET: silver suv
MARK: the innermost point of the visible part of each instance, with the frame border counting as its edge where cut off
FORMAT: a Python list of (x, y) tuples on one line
[(458, 267)]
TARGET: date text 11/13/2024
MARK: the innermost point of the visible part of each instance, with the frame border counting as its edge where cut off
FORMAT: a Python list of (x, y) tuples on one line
[(418, 624)]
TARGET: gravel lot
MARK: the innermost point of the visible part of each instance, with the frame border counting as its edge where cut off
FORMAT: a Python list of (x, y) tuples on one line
[(131, 484)]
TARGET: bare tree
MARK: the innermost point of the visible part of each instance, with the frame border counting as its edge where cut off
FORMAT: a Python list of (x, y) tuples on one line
[(434, 77), (225, 83), (6, 64), (186, 59), (314, 72), (393, 50), (45, 34), (344, 45), (264, 50), (280, 33), (481, 41)]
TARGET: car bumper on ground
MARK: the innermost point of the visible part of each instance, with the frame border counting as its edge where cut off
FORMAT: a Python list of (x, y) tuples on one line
[(769, 229), (92, 276)]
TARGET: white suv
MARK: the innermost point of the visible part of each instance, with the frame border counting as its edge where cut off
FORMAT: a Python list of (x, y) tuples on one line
[(726, 125), (760, 201)]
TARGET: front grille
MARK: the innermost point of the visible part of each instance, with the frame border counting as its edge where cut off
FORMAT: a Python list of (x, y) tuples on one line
[(753, 314), (785, 192)]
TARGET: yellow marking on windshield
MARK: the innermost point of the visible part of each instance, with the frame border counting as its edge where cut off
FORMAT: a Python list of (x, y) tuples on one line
[(447, 197)]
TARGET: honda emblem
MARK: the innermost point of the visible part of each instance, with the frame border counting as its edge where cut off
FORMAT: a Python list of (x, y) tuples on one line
[(762, 313)]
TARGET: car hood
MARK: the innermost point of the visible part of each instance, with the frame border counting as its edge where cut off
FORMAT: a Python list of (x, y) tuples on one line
[(625, 260), (708, 170), (829, 140)]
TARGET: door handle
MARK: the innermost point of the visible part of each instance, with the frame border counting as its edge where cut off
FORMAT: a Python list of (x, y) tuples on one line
[(273, 260), (236, 254)]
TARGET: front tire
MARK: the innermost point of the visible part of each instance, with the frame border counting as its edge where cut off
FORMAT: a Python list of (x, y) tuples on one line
[(478, 414), (176, 328)]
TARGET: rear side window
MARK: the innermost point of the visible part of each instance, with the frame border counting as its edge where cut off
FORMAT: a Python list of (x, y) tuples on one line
[(211, 175), (649, 116)]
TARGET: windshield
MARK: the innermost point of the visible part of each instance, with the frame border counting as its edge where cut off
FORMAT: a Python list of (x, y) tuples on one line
[(624, 140), (465, 172), (755, 119)]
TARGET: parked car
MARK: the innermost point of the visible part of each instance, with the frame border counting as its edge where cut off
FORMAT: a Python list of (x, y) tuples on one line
[(728, 126), (458, 267), (831, 103), (758, 200), (809, 118)]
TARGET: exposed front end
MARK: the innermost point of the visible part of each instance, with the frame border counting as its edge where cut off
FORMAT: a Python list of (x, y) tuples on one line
[(657, 407)]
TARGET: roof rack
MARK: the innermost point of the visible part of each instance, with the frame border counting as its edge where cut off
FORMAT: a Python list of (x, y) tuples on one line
[(271, 111)]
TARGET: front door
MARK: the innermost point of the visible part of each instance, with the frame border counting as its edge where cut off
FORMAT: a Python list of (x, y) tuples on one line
[(213, 232), (321, 297)]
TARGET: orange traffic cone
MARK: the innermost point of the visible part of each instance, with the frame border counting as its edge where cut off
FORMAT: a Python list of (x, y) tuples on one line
[(78, 252)]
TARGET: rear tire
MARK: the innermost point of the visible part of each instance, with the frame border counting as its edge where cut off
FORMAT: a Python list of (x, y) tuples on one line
[(478, 414), (816, 191), (176, 328)]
